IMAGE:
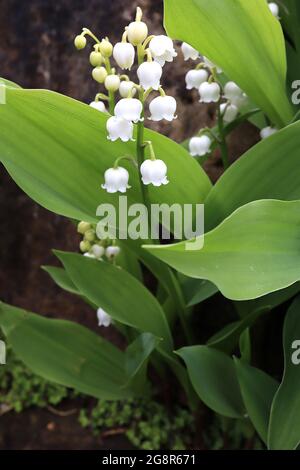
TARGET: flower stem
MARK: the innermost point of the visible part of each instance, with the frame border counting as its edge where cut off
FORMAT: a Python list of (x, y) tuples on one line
[(111, 94), (223, 143), (140, 148)]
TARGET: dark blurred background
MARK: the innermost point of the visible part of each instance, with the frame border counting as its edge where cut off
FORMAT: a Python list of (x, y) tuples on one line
[(36, 51)]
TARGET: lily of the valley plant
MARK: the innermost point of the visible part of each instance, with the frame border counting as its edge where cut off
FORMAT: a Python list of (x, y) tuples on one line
[(71, 157)]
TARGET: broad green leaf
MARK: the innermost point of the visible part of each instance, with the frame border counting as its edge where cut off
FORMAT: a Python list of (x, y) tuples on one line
[(61, 278), (284, 428), (66, 353), (244, 39), (197, 291), (8, 83), (253, 252), (56, 149), (258, 390), (227, 339), (245, 346), (119, 294), (213, 376), (266, 171), (137, 358)]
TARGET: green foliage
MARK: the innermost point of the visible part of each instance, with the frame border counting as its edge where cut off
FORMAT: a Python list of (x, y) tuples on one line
[(147, 424)]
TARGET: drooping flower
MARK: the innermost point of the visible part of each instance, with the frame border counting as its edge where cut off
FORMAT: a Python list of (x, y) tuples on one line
[(98, 251), (211, 65), (209, 92), (200, 146), (189, 52), (116, 179), (112, 82), (229, 112), (154, 172), (149, 74), (112, 251), (162, 49), (126, 87), (194, 78), (129, 109), (124, 55), (235, 94), (274, 8), (267, 132), (99, 105), (103, 318), (137, 32), (163, 107), (119, 128)]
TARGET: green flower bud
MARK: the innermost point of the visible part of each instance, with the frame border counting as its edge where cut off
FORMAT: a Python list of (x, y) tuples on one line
[(80, 42), (106, 48), (85, 246), (90, 235), (112, 82), (95, 58), (82, 227), (137, 32), (99, 74)]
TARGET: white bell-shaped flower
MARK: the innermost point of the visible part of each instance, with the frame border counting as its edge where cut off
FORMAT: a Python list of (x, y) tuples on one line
[(129, 109), (274, 8), (112, 251), (162, 49), (119, 128), (124, 55), (98, 251), (112, 82), (99, 105), (211, 64), (200, 146), (209, 92), (154, 172), (116, 179), (103, 318), (189, 52), (149, 74), (234, 94), (194, 78), (163, 107), (126, 87), (229, 112), (267, 132)]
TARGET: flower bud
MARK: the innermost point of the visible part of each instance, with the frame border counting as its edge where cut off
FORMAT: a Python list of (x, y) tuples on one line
[(124, 55), (98, 251), (90, 235), (163, 107), (103, 318), (209, 92), (194, 78), (82, 227), (80, 42), (200, 146), (137, 32), (129, 109), (112, 82), (96, 59), (154, 172), (229, 112), (112, 251), (119, 128), (116, 179), (85, 246), (126, 87), (99, 74), (106, 48), (189, 52), (99, 105), (162, 49), (274, 9), (267, 132), (149, 74)]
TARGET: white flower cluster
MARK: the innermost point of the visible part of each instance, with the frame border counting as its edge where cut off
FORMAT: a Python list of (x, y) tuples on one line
[(204, 79), (152, 53), (94, 248)]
